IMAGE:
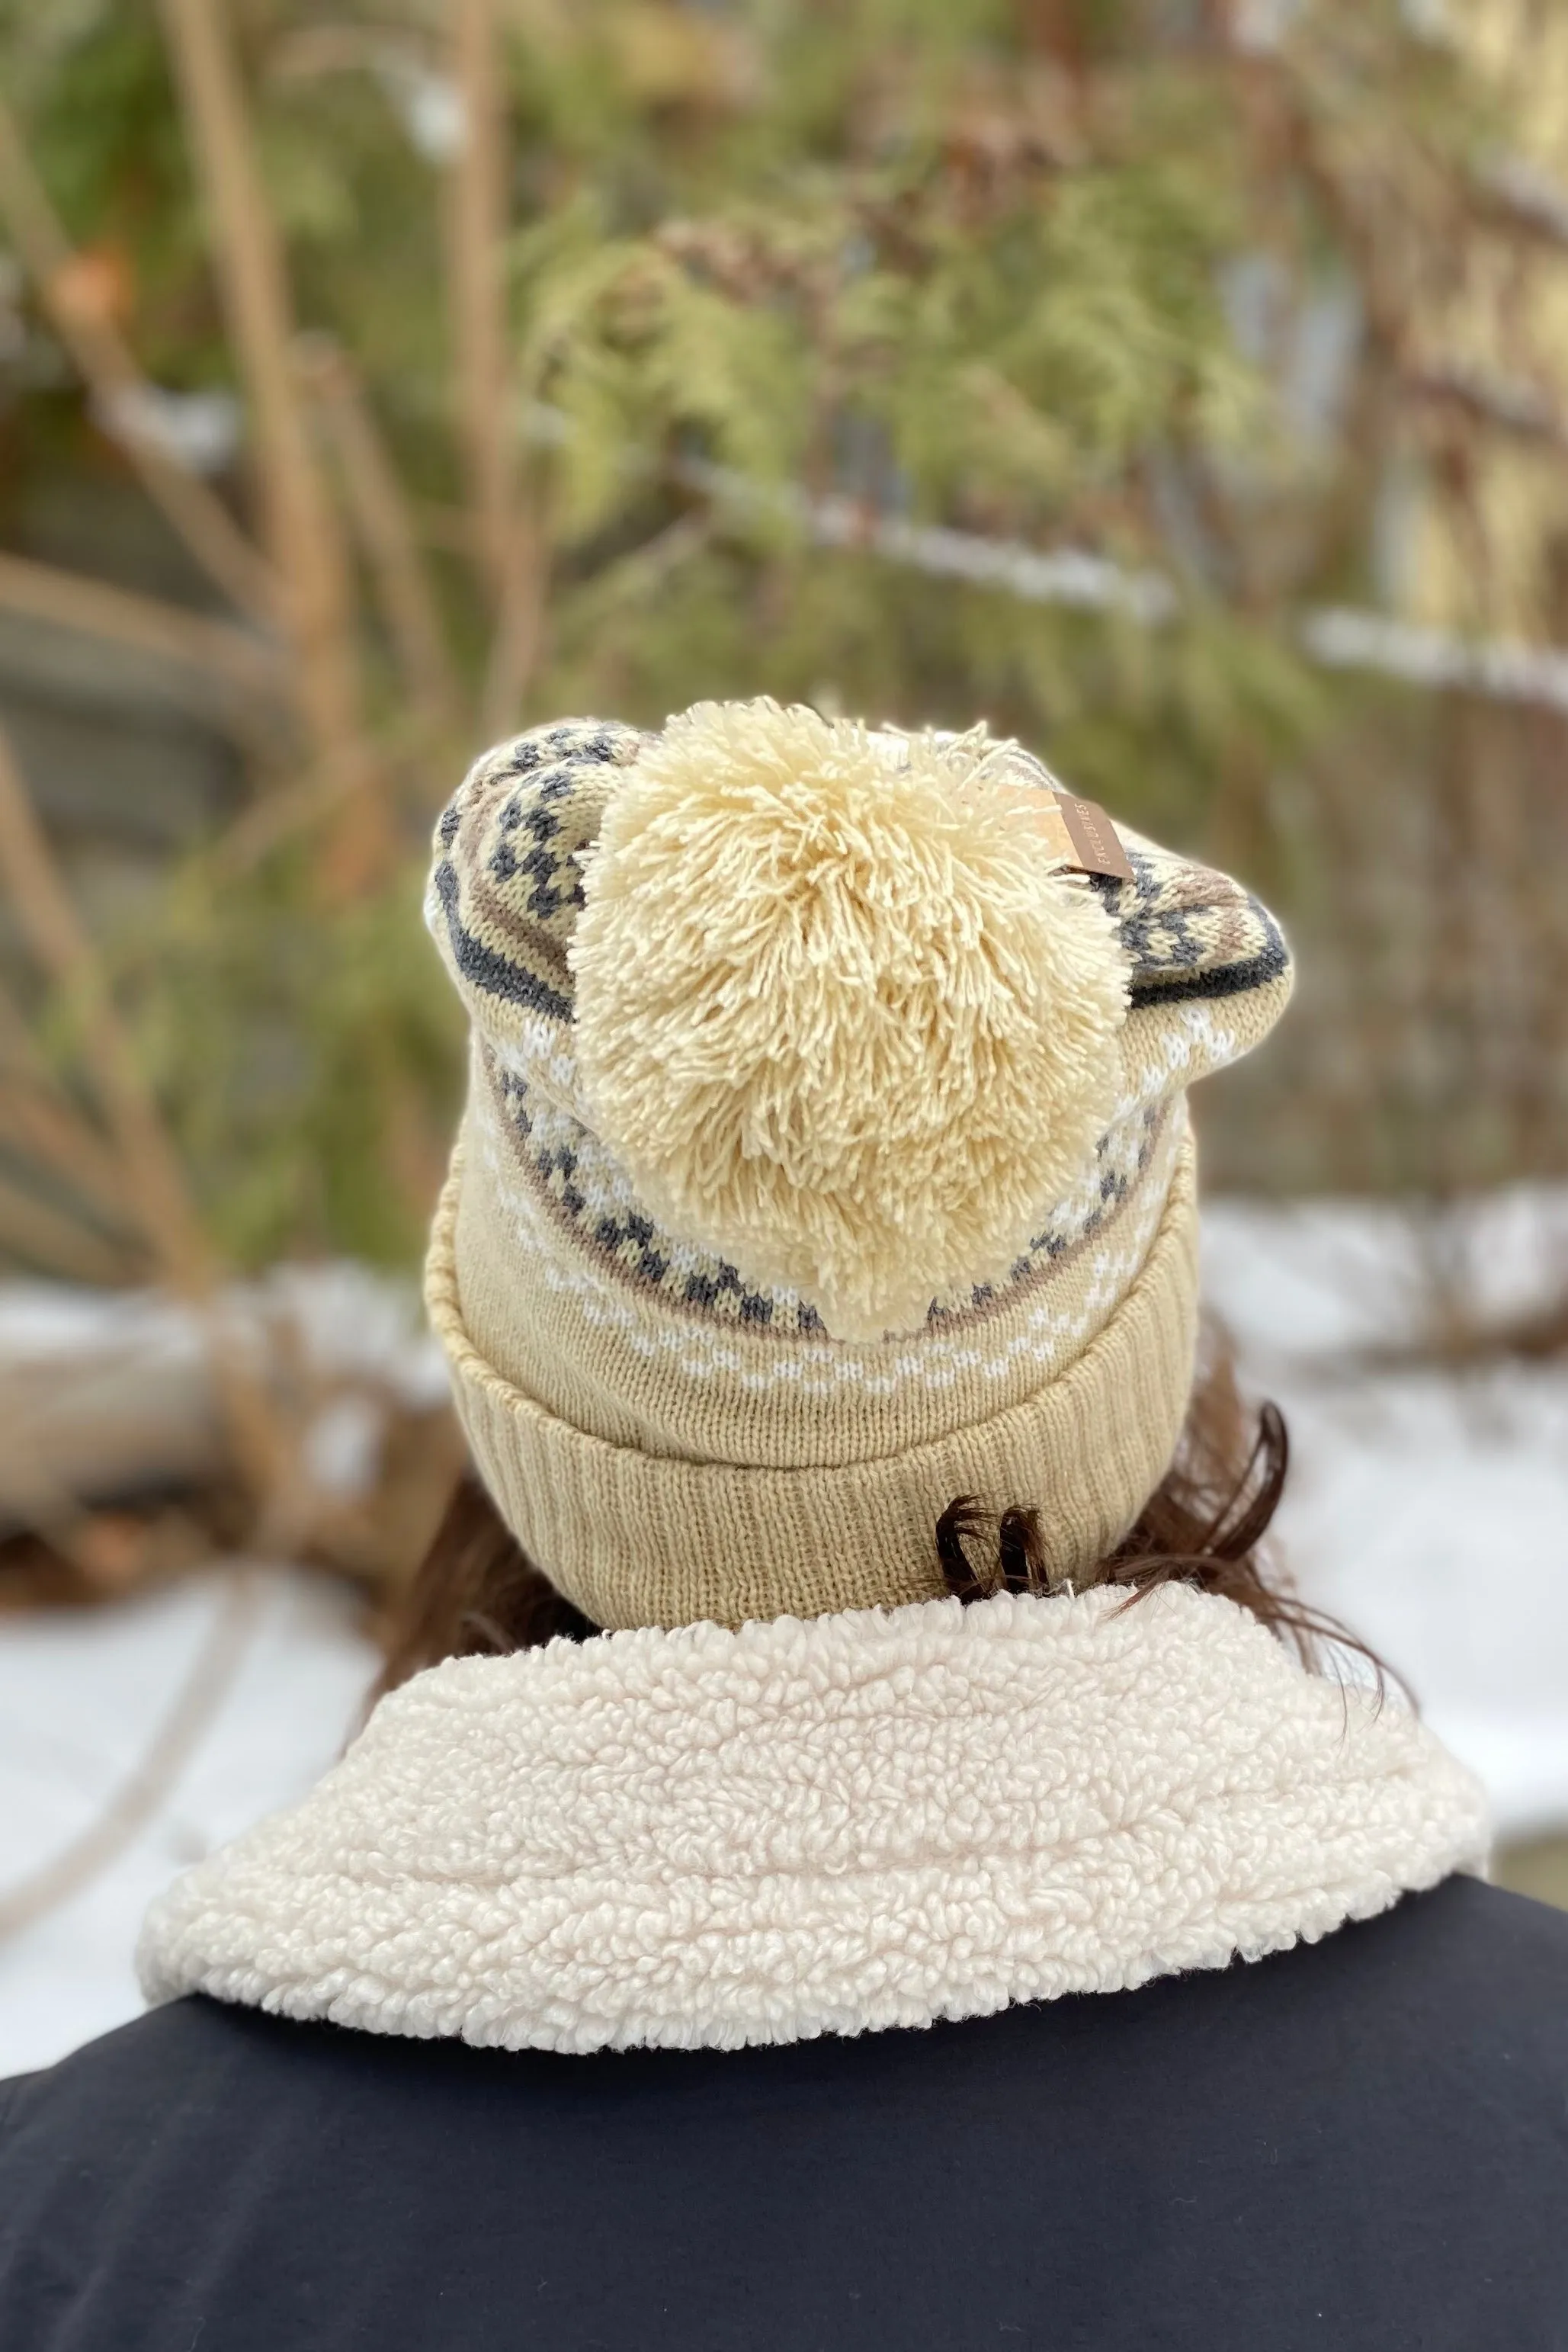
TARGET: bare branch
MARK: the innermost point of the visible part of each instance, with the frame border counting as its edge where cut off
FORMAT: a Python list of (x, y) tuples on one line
[(154, 1181), (245, 666), (105, 363)]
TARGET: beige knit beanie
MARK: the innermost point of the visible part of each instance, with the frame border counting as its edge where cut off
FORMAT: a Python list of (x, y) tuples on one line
[(826, 1155)]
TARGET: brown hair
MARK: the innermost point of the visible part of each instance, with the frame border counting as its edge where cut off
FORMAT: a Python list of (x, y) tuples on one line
[(476, 1592)]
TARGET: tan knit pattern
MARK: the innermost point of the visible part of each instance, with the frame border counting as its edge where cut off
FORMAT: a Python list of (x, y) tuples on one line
[(639, 1539), (624, 1360)]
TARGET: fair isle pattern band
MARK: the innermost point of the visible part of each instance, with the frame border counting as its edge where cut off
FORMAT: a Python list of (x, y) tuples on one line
[(578, 1307), (560, 1162)]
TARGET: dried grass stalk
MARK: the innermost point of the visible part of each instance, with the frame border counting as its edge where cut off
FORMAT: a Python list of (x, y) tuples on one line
[(505, 534), (381, 516), (518, 640), (303, 532), (477, 228), (36, 1116)]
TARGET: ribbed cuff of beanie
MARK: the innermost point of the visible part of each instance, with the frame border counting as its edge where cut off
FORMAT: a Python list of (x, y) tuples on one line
[(635, 1539)]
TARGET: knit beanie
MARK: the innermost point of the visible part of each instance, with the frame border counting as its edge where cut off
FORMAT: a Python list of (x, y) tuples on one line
[(826, 1155)]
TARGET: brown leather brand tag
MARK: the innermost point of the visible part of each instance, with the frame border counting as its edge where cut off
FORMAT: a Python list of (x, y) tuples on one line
[(1095, 847)]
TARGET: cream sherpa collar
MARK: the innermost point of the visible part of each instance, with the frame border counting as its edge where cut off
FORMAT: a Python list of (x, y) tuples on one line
[(706, 1837)]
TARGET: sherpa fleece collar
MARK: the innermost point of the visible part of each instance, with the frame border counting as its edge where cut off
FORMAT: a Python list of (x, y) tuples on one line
[(878, 1819)]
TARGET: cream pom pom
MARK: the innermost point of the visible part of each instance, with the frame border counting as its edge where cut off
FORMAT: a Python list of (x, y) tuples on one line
[(841, 1015)]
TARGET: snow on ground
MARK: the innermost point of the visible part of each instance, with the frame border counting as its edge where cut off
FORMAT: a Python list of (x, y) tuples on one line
[(80, 1695), (1428, 1510)]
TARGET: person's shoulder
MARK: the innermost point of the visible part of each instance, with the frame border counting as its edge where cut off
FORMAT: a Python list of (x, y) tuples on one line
[(1464, 1966), (1452, 1993), (202, 2072), (1464, 1963), (1467, 1943), (1534, 1934), (1473, 1910), (187, 2051), (1490, 1968), (1452, 1999), (11, 2091)]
